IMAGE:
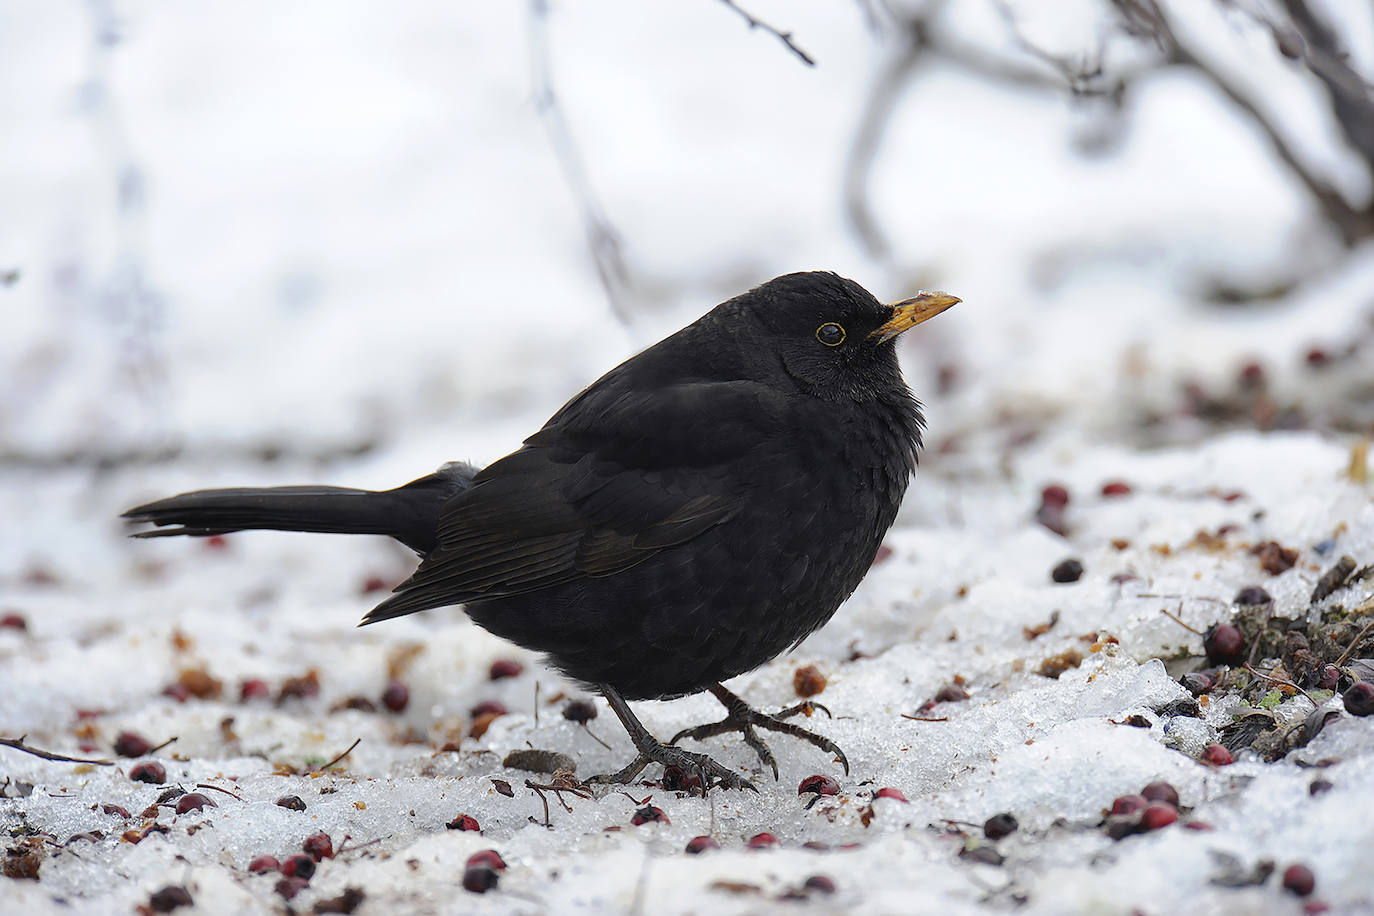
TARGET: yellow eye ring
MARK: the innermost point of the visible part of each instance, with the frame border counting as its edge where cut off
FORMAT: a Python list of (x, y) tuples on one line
[(830, 334)]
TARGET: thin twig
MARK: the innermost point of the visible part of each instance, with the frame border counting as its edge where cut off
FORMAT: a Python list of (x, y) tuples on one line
[(1179, 620), (784, 37), (1282, 681), (206, 785), (924, 718), (356, 742), (154, 750), (1350, 649), (19, 745)]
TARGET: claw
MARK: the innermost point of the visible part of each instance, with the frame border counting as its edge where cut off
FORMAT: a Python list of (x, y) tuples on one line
[(742, 718)]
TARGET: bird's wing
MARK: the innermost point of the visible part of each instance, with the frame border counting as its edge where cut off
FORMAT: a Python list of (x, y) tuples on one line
[(599, 489)]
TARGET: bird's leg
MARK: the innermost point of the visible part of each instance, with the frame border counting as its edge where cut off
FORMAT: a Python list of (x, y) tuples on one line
[(740, 717), (651, 750)]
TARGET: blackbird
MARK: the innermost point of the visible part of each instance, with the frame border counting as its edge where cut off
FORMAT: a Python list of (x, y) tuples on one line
[(693, 513)]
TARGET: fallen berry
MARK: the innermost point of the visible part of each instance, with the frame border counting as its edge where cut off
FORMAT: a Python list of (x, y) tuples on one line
[(808, 681), (318, 846), (169, 898), (1318, 786), (1252, 595), (1116, 488), (1330, 678), (762, 841), (1223, 644), (1054, 495), (293, 802), (116, 810), (479, 879), (950, 693), (264, 863), (194, 801), (488, 708), (820, 883), (1158, 814), (1197, 683), (1129, 804), (291, 886), (1359, 699), (1120, 826), (396, 697), (1216, 755), (374, 584), (178, 692), (818, 785), (1068, 571), (13, 622), (1161, 792), (505, 667), (464, 822), (649, 814), (1298, 879), (487, 858), (131, 744), (999, 825), (579, 711), (149, 771), (699, 844), (676, 779), (890, 792), (298, 866)]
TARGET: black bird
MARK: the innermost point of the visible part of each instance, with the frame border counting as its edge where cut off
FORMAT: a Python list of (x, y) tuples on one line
[(696, 511)]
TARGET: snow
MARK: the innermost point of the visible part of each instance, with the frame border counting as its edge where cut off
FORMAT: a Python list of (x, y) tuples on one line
[(353, 247)]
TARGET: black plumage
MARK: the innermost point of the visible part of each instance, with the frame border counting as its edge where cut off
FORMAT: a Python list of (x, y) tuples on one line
[(698, 510)]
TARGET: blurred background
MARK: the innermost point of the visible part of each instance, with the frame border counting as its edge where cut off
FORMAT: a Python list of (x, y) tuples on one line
[(356, 240)]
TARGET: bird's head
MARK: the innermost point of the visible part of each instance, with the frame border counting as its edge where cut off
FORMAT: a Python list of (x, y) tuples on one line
[(833, 337)]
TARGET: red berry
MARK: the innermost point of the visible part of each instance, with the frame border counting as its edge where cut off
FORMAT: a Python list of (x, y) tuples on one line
[(298, 866), (479, 879), (149, 771), (1330, 678), (1054, 495), (699, 844), (119, 810), (464, 822), (374, 584), (1251, 375), (131, 744), (762, 841), (1252, 594), (1161, 792), (396, 697), (1359, 699), (1224, 644), (1298, 879), (254, 689), (820, 884), (1158, 814), (488, 707), (950, 693), (1129, 804), (1216, 755), (649, 814), (890, 793), (319, 846), (487, 858), (1116, 488), (262, 864), (179, 692), (505, 667), (1317, 357), (818, 785), (1000, 825), (194, 801), (291, 886), (13, 622), (293, 802)]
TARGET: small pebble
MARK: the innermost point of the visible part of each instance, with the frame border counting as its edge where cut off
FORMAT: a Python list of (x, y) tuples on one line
[(1068, 571)]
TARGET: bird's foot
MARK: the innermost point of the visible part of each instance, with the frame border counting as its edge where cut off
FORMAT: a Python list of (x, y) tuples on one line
[(741, 717), (654, 751)]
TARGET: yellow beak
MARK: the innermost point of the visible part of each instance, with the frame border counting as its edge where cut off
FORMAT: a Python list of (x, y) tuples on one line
[(910, 312)]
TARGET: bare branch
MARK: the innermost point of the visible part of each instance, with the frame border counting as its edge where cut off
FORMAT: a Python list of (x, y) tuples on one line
[(1351, 98), (784, 37), (19, 745), (602, 238)]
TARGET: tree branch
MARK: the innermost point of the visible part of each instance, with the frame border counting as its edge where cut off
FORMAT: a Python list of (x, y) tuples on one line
[(784, 37), (19, 745)]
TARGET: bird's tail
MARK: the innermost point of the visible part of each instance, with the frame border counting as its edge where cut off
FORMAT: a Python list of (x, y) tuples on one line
[(409, 513)]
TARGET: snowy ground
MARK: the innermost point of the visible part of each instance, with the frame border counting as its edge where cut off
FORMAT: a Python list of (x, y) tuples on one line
[(350, 256)]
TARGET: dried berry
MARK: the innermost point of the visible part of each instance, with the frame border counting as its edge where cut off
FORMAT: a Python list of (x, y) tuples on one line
[(699, 844), (579, 711), (1251, 375), (347, 902), (762, 841), (808, 681), (169, 898), (115, 810), (1129, 804), (396, 697), (178, 692), (479, 879), (1161, 792), (1298, 879), (890, 793), (1068, 571), (298, 866), (1116, 488), (1197, 683), (1158, 814), (1216, 755), (374, 584), (487, 858), (149, 771), (821, 884), (131, 744), (1000, 825), (649, 814), (254, 688), (1319, 785), (293, 802), (13, 621), (1253, 596), (1359, 699), (194, 801), (1274, 558), (318, 846), (264, 864), (291, 886), (488, 708), (1329, 678), (1317, 358), (950, 693), (504, 668), (1120, 826), (818, 785), (464, 822), (676, 779), (1224, 644)]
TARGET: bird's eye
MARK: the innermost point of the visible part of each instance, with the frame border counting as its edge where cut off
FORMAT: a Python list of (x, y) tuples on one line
[(830, 334)]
